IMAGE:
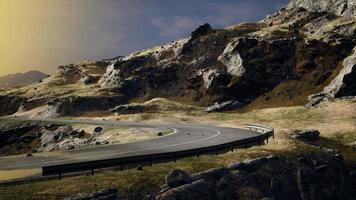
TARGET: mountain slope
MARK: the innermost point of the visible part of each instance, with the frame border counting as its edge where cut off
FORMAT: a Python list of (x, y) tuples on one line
[(279, 61), (21, 79)]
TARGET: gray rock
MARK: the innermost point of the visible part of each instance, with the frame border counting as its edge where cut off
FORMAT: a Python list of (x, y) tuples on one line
[(10, 104), (79, 196), (77, 104), (177, 178), (224, 106), (273, 157), (98, 129), (88, 79), (29, 155), (200, 189), (202, 30), (282, 178), (104, 194), (342, 85), (232, 60), (128, 109), (249, 165), (212, 174), (305, 135), (338, 7)]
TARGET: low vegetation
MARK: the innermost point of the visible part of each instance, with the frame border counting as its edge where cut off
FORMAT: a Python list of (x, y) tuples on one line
[(335, 121)]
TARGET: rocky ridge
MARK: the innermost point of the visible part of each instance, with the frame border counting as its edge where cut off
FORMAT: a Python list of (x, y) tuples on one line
[(305, 49), (338, 7), (272, 177), (311, 176), (35, 137)]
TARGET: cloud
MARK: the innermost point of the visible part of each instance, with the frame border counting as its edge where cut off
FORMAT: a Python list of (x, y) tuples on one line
[(177, 26), (228, 13), (57, 32), (219, 14)]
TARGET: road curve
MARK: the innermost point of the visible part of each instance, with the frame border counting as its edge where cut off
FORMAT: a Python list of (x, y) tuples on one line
[(186, 136)]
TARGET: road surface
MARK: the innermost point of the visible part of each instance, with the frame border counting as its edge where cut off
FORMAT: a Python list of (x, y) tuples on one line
[(184, 137)]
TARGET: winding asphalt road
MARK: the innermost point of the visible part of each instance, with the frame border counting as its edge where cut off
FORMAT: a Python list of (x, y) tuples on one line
[(185, 136)]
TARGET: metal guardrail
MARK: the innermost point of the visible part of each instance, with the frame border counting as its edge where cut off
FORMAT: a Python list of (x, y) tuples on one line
[(260, 128), (90, 166)]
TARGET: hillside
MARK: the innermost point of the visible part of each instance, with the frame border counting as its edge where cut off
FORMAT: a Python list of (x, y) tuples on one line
[(297, 56), (21, 79)]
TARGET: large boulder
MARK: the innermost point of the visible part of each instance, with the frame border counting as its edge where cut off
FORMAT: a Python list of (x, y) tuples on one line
[(344, 84), (104, 194), (16, 134), (76, 104), (224, 106), (89, 79), (249, 165), (316, 176), (200, 189), (232, 60), (203, 29), (10, 104), (128, 109), (305, 134), (177, 178)]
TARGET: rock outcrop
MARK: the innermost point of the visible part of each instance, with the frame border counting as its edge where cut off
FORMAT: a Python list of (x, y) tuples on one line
[(338, 7), (128, 109), (224, 106), (344, 84), (104, 194), (299, 51), (76, 105), (177, 178), (305, 134), (309, 176), (202, 30), (10, 104)]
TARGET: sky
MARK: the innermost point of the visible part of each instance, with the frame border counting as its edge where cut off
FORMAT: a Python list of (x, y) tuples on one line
[(44, 34)]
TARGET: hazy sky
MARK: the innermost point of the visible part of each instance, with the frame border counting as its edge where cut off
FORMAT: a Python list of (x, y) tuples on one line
[(43, 34)]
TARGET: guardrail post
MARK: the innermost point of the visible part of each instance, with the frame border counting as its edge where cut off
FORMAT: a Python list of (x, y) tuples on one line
[(59, 175), (122, 167), (92, 172), (175, 157), (150, 162), (198, 154)]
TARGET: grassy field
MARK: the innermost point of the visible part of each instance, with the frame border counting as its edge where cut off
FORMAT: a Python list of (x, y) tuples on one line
[(336, 121)]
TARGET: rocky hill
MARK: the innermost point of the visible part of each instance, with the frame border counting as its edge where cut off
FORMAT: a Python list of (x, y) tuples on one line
[(303, 54), (311, 176), (21, 79), (338, 7)]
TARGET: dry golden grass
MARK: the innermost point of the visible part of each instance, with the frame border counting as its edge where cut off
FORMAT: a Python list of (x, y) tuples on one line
[(20, 173)]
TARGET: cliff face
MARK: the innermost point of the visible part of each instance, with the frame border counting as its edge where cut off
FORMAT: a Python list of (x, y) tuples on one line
[(279, 61)]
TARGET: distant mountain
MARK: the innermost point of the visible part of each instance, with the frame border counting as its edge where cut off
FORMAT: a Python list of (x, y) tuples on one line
[(21, 79)]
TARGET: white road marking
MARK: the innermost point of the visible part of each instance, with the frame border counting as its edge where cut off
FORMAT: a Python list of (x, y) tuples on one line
[(98, 155)]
